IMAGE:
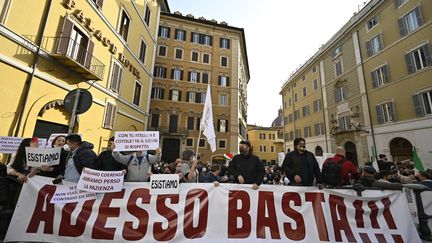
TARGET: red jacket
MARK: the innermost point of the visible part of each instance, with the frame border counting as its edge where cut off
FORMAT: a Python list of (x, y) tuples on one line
[(348, 167)]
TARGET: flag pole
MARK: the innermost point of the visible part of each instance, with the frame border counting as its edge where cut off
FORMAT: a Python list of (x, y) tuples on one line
[(199, 138)]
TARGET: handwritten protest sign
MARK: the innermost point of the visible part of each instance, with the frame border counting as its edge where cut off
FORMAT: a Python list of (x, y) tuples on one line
[(39, 156), (70, 194), (136, 141), (164, 184), (100, 181), (9, 145)]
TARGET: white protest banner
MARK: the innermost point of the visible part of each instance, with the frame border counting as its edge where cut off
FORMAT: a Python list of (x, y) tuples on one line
[(43, 143), (136, 141), (164, 184), (202, 212), (39, 156), (70, 194), (9, 145), (100, 181)]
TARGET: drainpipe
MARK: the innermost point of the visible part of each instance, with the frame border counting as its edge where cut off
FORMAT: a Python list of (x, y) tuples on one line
[(29, 80), (323, 111), (367, 99)]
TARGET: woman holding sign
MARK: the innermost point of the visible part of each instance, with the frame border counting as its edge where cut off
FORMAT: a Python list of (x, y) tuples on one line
[(56, 171), (138, 164), (18, 165)]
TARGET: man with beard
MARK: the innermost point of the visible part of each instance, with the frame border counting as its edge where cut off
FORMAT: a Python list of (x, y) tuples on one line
[(301, 166), (246, 167)]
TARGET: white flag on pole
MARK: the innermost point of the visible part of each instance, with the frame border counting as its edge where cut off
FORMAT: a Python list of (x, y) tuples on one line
[(207, 121)]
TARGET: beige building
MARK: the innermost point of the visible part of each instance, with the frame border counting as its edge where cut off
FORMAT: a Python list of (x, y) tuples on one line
[(375, 80), (192, 54), (49, 48), (303, 109), (266, 143)]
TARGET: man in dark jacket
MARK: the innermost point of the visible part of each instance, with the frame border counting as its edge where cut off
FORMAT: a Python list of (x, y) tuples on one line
[(106, 162), (246, 167), (368, 180), (80, 155), (301, 166)]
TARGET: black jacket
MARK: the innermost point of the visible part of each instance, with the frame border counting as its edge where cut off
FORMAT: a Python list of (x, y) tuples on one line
[(249, 166), (85, 157), (305, 165), (106, 162), (370, 181)]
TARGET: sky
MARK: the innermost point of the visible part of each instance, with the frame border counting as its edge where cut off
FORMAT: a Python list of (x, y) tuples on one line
[(281, 35)]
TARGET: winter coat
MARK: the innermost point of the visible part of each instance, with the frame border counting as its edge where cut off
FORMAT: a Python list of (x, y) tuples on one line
[(305, 165), (249, 166)]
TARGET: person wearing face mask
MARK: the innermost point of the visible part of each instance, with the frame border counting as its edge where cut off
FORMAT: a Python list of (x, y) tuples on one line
[(301, 166), (246, 167), (56, 171), (80, 155), (138, 164)]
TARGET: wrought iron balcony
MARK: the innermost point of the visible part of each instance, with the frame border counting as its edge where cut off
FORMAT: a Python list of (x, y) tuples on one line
[(75, 56)]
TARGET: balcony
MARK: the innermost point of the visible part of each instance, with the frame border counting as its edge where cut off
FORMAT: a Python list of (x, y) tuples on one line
[(74, 55)]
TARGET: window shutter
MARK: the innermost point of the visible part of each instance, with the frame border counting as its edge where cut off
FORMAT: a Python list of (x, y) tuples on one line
[(402, 27), (169, 31), (189, 76), (345, 92), (88, 54), (380, 41), (181, 74), (155, 71), (220, 42), (379, 114), (65, 36), (152, 93), (410, 63), (170, 94), (197, 97), (418, 15), (427, 53), (226, 126), (219, 80), (227, 81), (369, 48), (179, 95), (201, 39), (164, 72), (187, 96), (218, 125), (336, 95), (162, 94), (392, 111), (211, 40), (228, 41), (160, 30), (374, 79), (205, 78), (198, 77), (172, 73), (418, 106), (385, 74)]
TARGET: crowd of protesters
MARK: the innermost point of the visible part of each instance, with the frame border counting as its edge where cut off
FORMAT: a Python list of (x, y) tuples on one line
[(299, 168)]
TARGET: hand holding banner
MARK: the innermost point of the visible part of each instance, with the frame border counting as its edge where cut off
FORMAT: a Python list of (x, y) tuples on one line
[(136, 141)]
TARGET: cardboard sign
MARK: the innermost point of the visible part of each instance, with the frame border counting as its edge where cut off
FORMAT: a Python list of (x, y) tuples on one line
[(70, 194), (9, 145), (136, 141), (39, 156), (164, 184), (100, 181)]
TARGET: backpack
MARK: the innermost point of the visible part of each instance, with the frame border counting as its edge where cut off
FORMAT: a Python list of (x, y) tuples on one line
[(332, 172)]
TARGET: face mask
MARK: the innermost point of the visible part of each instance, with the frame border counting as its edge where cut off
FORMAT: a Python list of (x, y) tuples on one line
[(66, 147)]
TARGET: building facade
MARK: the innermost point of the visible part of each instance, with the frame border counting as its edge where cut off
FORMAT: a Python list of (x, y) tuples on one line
[(194, 53), (303, 109), (375, 82), (50, 49), (266, 143)]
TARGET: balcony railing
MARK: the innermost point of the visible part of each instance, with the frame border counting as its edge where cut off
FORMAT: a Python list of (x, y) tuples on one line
[(75, 56)]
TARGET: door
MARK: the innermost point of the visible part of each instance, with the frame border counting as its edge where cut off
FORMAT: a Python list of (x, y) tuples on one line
[(351, 152), (170, 149), (44, 129)]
